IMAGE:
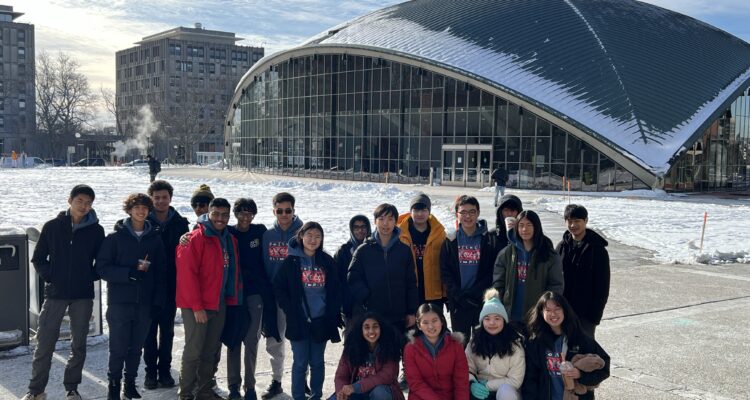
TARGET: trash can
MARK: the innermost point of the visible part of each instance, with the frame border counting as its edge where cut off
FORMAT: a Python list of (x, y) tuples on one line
[(14, 284), (36, 297)]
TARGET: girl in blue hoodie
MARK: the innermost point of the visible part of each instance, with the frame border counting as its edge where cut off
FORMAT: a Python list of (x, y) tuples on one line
[(307, 290)]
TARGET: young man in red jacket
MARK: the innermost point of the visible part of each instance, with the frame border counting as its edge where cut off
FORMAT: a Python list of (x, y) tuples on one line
[(208, 279)]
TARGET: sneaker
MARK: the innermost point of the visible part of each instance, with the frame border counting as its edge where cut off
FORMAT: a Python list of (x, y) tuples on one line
[(73, 395), (274, 389), (40, 396), (166, 380), (234, 393), (250, 395), (150, 382), (130, 391)]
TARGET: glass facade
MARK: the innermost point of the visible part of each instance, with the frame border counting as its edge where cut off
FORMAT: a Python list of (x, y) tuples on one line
[(361, 118)]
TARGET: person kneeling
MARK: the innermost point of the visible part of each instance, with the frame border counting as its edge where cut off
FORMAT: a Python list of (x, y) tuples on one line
[(368, 369)]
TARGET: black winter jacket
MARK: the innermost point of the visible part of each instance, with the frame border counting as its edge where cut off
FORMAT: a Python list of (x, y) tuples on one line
[(383, 280), (536, 381), (343, 258), (64, 258), (171, 232), (287, 285), (451, 274), (119, 256), (586, 273)]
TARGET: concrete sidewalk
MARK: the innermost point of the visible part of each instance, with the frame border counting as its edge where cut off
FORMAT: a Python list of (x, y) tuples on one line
[(672, 331)]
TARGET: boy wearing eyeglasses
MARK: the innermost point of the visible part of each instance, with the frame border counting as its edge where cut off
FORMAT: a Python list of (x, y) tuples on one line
[(359, 230), (466, 263), (275, 242), (208, 279)]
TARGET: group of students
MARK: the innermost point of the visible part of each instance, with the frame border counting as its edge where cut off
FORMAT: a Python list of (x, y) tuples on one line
[(386, 286)]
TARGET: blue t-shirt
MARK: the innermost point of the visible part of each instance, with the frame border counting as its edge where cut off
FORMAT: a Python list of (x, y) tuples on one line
[(554, 358), (314, 285), (522, 266), (469, 253)]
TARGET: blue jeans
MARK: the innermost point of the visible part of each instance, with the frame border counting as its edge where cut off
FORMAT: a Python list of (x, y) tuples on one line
[(380, 392), (307, 353)]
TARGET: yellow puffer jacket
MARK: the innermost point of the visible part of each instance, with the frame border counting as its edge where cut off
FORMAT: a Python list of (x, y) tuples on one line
[(434, 289)]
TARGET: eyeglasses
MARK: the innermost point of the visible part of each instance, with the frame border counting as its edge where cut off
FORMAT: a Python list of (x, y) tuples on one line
[(359, 227), (218, 215), (284, 211), (468, 212)]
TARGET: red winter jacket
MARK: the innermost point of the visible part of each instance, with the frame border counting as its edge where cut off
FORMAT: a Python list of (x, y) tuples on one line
[(200, 269), (445, 377), (385, 374)]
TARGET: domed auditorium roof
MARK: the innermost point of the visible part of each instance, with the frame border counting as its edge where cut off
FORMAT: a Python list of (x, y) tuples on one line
[(642, 79)]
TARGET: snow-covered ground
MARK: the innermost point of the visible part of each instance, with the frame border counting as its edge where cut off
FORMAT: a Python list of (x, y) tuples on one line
[(668, 225)]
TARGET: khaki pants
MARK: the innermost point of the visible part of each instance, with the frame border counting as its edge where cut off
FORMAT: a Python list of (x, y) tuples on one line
[(198, 358)]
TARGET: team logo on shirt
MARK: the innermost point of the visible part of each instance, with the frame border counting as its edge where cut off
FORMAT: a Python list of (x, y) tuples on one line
[(277, 251), (313, 277), (468, 255), (255, 243), (553, 363), (521, 272), (419, 250), (366, 371)]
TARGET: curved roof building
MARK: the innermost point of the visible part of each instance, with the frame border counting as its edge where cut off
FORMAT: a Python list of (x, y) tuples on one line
[(656, 95)]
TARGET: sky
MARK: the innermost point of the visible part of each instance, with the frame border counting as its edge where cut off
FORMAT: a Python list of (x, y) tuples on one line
[(93, 30)]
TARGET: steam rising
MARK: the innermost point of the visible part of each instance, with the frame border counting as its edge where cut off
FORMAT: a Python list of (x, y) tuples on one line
[(146, 127)]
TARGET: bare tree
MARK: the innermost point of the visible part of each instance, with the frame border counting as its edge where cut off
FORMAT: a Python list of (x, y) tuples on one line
[(109, 99), (65, 102)]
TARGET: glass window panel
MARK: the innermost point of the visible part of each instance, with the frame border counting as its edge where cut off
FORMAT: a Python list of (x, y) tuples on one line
[(406, 77), (437, 124), (558, 145), (450, 94), (414, 94), (557, 171), (385, 78), (375, 102), (529, 124), (573, 150), (475, 96), (358, 80), (514, 120), (437, 99), (501, 116), (426, 124), (542, 128), (461, 121), (426, 99), (589, 178), (485, 122), (527, 149), (396, 101), (607, 174), (514, 149), (450, 126), (590, 156), (462, 95), (487, 100), (473, 123), (375, 74)]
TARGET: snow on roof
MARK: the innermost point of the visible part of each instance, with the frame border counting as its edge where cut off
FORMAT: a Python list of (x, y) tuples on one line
[(642, 79)]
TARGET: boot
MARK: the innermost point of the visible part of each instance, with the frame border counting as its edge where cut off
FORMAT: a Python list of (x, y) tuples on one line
[(113, 389), (234, 393), (165, 379), (150, 382), (130, 391)]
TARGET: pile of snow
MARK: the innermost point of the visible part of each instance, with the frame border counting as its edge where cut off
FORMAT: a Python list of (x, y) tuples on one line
[(668, 225)]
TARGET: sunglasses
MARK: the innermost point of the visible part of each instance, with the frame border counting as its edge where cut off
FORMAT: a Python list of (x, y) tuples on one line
[(284, 211)]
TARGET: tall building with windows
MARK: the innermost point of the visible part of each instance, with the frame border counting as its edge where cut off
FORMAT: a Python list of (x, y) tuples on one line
[(184, 77), (604, 95), (17, 106)]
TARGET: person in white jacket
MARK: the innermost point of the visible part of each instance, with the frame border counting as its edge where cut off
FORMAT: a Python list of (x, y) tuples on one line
[(496, 357)]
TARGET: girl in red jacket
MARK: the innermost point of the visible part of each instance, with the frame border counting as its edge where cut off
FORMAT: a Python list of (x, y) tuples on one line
[(368, 368), (434, 360)]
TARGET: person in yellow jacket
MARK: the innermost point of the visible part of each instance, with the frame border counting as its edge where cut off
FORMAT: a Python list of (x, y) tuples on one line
[(424, 234)]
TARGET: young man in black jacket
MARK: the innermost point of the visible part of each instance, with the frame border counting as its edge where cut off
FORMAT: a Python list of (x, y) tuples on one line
[(157, 354), (131, 260), (467, 262), (381, 276), (585, 268), (64, 258)]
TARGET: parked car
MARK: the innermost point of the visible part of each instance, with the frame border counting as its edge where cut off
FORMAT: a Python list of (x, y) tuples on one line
[(54, 162), (136, 163), (90, 162)]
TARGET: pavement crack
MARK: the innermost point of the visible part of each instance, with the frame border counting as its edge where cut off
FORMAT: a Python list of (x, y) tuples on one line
[(687, 306)]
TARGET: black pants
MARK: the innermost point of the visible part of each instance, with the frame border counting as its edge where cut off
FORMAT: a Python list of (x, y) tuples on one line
[(157, 355), (463, 319), (128, 326)]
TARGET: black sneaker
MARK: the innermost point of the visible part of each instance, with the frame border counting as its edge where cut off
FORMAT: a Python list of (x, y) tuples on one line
[(166, 380), (274, 389), (150, 382), (73, 395), (250, 395), (129, 390), (234, 393)]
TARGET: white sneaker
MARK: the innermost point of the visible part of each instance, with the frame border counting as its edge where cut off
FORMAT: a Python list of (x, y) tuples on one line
[(73, 395), (40, 396)]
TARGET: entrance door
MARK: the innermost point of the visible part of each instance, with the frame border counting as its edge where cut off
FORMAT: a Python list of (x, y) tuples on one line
[(447, 166), (472, 166), (467, 165), (459, 167)]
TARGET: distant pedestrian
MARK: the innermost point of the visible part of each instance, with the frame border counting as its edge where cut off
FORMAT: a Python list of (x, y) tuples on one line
[(562, 362), (154, 166), (369, 363), (434, 360), (466, 262), (527, 267), (359, 230), (495, 354), (500, 177), (157, 350), (14, 158), (307, 290), (208, 279), (132, 261), (64, 259), (585, 268)]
